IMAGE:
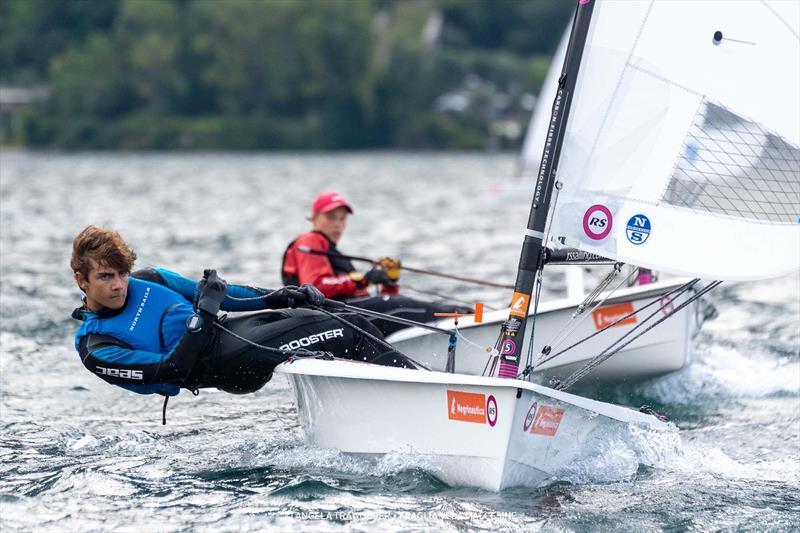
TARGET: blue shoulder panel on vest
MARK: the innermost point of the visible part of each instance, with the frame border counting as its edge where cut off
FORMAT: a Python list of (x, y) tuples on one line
[(183, 286), (187, 287), (152, 320)]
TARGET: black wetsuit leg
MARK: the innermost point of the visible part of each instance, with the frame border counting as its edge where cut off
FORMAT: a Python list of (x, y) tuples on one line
[(238, 367), (403, 307)]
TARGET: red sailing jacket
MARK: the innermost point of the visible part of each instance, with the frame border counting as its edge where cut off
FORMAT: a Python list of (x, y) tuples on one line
[(327, 273)]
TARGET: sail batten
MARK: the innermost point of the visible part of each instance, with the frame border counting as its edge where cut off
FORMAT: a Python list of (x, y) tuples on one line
[(682, 152)]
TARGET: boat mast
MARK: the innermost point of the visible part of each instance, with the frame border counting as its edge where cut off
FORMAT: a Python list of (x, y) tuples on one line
[(532, 256)]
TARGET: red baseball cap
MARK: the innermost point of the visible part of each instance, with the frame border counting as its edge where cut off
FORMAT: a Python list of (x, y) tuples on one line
[(328, 201)]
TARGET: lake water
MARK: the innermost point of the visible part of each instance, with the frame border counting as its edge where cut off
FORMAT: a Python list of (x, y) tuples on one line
[(78, 454)]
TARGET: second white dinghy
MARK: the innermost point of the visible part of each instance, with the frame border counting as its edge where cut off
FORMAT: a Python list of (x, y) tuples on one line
[(663, 350)]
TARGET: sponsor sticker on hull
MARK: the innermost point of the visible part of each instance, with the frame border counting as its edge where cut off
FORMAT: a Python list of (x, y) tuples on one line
[(607, 315), (467, 406), (547, 420)]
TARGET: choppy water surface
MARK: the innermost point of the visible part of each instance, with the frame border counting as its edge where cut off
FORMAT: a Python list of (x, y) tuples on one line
[(78, 454)]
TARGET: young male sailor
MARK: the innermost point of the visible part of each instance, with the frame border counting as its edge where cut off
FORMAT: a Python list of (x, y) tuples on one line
[(154, 331), (314, 259)]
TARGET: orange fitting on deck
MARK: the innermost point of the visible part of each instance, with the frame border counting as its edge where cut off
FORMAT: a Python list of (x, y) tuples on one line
[(478, 314)]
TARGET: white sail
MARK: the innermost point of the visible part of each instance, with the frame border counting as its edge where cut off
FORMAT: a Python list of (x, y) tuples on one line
[(540, 118), (681, 149)]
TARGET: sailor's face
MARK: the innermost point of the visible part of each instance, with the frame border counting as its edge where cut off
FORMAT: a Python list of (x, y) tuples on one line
[(332, 223), (104, 287)]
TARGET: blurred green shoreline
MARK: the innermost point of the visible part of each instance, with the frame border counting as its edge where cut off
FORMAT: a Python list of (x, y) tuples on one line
[(253, 75)]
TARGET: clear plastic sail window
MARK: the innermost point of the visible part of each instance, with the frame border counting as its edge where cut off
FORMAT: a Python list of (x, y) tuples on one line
[(733, 166)]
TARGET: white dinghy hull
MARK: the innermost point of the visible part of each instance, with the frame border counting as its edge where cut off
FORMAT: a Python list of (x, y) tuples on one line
[(664, 349), (468, 431)]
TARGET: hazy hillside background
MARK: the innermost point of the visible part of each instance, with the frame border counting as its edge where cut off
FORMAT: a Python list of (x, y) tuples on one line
[(273, 74)]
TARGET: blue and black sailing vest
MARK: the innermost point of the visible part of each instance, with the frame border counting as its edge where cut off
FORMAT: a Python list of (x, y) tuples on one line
[(153, 320)]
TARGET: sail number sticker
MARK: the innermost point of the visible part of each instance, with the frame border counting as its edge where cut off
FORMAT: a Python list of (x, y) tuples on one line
[(609, 314), (597, 222), (519, 304), (471, 407), (638, 229), (509, 347)]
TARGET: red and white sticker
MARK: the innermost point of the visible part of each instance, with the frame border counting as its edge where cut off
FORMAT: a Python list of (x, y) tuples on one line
[(597, 222), (468, 406), (607, 315), (547, 420)]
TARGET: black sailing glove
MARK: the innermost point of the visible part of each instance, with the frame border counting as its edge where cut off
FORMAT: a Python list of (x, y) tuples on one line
[(291, 296), (282, 298), (211, 291), (377, 275), (312, 295)]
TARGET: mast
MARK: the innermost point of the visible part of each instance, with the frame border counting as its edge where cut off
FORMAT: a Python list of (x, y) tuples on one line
[(532, 256)]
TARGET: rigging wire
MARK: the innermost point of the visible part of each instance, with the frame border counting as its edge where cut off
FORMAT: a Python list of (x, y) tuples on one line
[(557, 186), (471, 343), (263, 296), (608, 352), (679, 290), (571, 325)]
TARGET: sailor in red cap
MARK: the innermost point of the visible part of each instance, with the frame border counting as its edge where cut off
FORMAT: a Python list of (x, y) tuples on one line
[(328, 269), (313, 258)]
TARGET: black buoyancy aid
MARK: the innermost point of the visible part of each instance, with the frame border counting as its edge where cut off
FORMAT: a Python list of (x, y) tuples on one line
[(339, 263)]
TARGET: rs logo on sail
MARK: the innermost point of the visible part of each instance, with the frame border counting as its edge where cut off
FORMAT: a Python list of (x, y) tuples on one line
[(597, 222)]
